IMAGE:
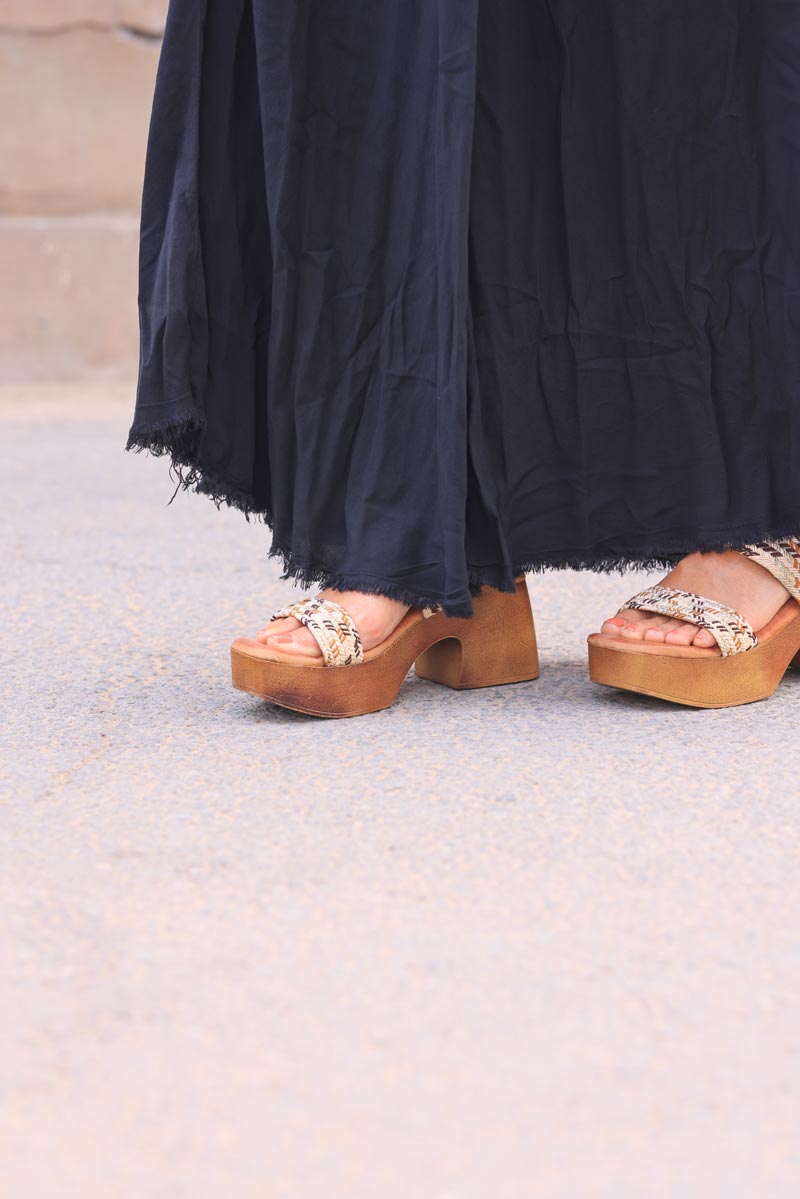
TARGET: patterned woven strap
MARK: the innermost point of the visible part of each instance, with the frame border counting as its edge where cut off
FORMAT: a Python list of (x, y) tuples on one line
[(781, 559), (731, 631), (331, 627)]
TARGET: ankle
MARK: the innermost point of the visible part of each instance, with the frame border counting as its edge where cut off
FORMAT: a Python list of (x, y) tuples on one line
[(732, 579), (375, 616)]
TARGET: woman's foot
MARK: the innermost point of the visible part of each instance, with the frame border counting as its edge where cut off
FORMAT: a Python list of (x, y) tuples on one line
[(729, 578), (374, 616)]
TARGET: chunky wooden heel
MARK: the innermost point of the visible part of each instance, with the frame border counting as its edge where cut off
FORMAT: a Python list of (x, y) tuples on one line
[(497, 646)]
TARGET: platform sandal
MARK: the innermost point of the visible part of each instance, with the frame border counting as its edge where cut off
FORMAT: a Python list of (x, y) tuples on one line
[(744, 667), (497, 645)]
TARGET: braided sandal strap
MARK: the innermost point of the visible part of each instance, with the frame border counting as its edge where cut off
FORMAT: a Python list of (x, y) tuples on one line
[(732, 633), (781, 559), (332, 628)]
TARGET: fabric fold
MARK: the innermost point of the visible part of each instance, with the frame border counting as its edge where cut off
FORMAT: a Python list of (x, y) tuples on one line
[(444, 290)]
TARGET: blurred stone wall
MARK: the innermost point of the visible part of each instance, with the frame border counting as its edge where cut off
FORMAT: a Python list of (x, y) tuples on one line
[(76, 83)]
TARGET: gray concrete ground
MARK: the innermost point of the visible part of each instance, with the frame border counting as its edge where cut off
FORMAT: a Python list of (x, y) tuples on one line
[(539, 941)]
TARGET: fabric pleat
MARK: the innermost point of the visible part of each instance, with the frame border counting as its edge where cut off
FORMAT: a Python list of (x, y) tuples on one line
[(446, 290)]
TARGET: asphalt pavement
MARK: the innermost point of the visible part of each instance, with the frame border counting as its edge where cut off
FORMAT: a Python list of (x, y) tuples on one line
[(539, 941)]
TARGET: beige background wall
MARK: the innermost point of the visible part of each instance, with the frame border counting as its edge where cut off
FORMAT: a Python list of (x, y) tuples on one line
[(76, 81)]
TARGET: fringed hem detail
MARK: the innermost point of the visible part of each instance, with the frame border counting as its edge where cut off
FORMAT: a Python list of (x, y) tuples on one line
[(308, 575), (666, 549), (179, 438), (177, 435)]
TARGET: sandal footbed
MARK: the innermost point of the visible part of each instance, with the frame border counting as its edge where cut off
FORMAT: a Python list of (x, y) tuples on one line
[(697, 677), (496, 646)]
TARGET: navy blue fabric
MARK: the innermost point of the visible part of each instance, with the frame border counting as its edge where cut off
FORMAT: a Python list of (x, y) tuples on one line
[(449, 288)]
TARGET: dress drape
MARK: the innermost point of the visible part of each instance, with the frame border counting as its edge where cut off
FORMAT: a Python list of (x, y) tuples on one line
[(449, 289)]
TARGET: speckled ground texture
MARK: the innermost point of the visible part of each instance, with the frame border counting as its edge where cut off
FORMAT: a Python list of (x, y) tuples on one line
[(535, 941)]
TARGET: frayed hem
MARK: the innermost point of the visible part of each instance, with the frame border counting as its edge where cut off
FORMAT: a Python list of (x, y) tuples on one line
[(178, 435), (663, 552), (308, 575), (178, 438)]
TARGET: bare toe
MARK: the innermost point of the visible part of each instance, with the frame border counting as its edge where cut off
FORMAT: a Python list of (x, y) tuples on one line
[(299, 642), (286, 625), (629, 623), (289, 636), (704, 639), (655, 633), (636, 624), (684, 635), (655, 626)]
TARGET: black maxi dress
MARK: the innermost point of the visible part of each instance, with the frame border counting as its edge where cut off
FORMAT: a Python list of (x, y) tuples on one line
[(445, 289)]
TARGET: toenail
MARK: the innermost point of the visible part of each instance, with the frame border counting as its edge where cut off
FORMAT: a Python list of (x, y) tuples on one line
[(617, 620), (283, 637)]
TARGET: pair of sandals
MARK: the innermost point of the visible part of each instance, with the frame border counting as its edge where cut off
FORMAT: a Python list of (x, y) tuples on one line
[(497, 645)]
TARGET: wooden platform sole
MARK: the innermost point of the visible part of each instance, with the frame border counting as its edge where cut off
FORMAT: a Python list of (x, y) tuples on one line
[(495, 647), (700, 678)]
